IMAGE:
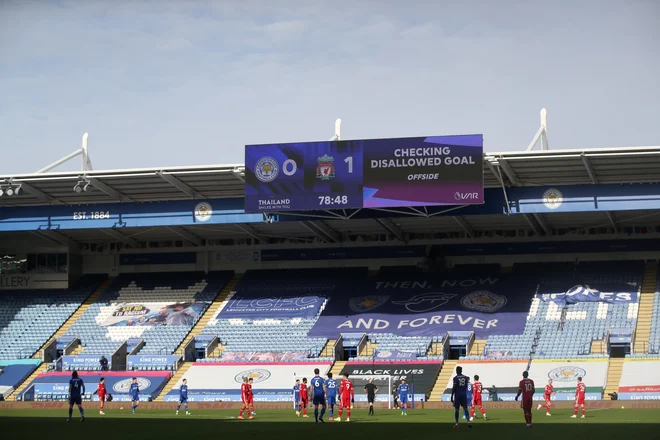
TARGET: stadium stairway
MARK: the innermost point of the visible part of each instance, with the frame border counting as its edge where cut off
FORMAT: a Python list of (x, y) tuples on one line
[(217, 304), (329, 349), (448, 368), (598, 347), (369, 349), (180, 373), (435, 349), (477, 347), (91, 299), (614, 372), (645, 313), (336, 368)]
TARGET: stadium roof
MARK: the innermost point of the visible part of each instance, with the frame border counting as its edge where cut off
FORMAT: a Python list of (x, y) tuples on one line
[(533, 168)]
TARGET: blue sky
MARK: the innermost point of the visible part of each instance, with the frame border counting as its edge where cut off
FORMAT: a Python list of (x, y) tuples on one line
[(160, 83)]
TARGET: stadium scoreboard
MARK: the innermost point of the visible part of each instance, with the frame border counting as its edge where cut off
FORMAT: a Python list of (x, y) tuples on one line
[(373, 173)]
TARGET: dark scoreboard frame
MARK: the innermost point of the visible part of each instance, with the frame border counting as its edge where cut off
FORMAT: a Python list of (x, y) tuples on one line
[(371, 173)]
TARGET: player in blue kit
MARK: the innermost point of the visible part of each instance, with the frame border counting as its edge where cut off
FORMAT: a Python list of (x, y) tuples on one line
[(469, 398), (296, 397), (76, 391), (459, 395), (134, 392), (183, 397), (318, 390), (331, 392), (404, 389)]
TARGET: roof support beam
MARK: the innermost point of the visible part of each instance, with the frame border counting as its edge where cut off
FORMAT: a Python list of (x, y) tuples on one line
[(392, 228), (96, 183), (509, 171), (539, 218), (183, 233), (249, 230), (323, 231), (610, 217), (42, 196), (465, 225), (535, 227), (179, 185), (114, 233), (590, 170)]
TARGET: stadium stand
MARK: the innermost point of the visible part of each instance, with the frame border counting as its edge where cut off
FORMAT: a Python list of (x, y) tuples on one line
[(194, 290), (12, 374), (556, 330), (29, 318), (256, 319)]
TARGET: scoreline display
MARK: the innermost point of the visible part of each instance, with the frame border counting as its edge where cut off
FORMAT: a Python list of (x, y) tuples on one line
[(373, 173)]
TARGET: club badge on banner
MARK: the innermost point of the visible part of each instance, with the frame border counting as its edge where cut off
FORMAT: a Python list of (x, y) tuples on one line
[(487, 306), (270, 356), (154, 314)]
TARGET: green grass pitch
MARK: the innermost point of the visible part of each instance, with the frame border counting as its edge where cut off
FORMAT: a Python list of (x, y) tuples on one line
[(281, 424)]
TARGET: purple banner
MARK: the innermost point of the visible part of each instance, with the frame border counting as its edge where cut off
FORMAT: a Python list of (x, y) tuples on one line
[(613, 293), (487, 306), (381, 355), (420, 171), (270, 307)]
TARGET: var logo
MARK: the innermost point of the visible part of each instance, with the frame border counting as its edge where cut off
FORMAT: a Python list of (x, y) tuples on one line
[(466, 196)]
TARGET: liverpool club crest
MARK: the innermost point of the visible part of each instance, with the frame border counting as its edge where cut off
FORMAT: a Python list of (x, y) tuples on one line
[(326, 167)]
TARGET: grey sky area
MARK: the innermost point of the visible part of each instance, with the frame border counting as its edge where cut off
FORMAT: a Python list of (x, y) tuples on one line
[(191, 82)]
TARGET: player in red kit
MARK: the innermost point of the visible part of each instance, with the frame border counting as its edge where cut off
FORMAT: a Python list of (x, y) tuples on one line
[(346, 396), (304, 398), (101, 391), (245, 398), (547, 395), (251, 398), (526, 388), (580, 392), (477, 389)]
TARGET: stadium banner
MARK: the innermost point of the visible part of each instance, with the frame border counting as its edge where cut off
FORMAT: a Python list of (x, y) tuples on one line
[(34, 281), (252, 305), (421, 376), (265, 356), (152, 314), (344, 253), (584, 198), (549, 247), (271, 382), (428, 307), (136, 361), (374, 173), (117, 384), (127, 215), (612, 293), (393, 354), (153, 259), (85, 360), (236, 256)]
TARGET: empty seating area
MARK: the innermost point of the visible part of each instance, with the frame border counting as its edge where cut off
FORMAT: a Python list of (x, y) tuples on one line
[(272, 329), (655, 324), (560, 331), (413, 344), (158, 291), (28, 318)]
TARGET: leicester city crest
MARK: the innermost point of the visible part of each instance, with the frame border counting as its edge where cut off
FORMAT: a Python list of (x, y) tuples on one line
[(567, 373), (326, 167), (483, 301), (363, 304), (266, 169)]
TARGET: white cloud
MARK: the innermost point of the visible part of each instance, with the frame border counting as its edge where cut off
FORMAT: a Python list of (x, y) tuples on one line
[(195, 81)]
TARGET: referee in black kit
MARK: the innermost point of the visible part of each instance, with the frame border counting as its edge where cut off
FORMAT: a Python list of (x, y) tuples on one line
[(371, 391)]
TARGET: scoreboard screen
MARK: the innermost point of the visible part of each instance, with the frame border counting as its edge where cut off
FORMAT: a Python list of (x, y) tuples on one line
[(373, 173)]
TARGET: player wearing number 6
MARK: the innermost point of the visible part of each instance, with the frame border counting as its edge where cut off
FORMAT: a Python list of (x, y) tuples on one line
[(318, 388), (459, 396), (526, 388)]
